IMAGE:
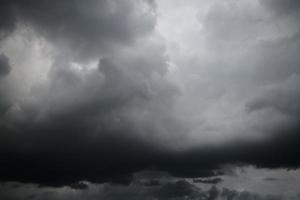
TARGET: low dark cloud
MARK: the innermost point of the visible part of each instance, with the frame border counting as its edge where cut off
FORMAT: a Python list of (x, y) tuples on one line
[(79, 186), (179, 189), (106, 123), (95, 158)]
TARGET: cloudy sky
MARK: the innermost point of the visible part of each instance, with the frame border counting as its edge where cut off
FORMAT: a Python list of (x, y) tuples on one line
[(145, 99)]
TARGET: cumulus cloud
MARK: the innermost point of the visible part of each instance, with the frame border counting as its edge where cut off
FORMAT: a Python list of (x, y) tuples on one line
[(117, 95), (85, 28), (108, 117)]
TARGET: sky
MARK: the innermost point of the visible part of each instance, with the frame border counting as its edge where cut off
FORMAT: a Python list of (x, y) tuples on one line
[(149, 99)]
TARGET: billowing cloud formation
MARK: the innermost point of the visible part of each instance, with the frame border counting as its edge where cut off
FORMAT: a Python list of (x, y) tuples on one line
[(100, 115), (83, 27), (117, 92)]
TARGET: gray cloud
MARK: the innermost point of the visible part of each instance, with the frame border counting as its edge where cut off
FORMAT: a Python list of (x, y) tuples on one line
[(239, 54), (7, 20), (208, 181), (282, 7), (4, 65), (283, 98), (82, 28), (106, 126), (4, 71), (124, 114), (179, 189), (109, 115)]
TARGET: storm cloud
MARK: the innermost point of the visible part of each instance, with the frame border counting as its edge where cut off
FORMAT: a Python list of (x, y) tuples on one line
[(98, 90), (83, 27)]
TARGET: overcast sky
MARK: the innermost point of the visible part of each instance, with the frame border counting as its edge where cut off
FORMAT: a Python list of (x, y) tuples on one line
[(101, 91)]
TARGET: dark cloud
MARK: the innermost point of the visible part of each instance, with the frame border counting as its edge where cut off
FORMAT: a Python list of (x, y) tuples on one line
[(89, 126), (62, 138), (178, 190), (7, 20), (152, 182), (79, 186), (107, 123), (265, 154), (4, 104), (282, 7), (232, 194), (4, 65), (81, 29), (4, 71), (55, 160), (208, 181)]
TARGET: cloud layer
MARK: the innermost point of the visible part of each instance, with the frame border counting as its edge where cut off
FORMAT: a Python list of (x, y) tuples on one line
[(98, 90), (173, 189)]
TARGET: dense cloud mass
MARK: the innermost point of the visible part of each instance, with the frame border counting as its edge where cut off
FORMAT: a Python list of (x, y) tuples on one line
[(83, 27), (97, 90), (101, 116)]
